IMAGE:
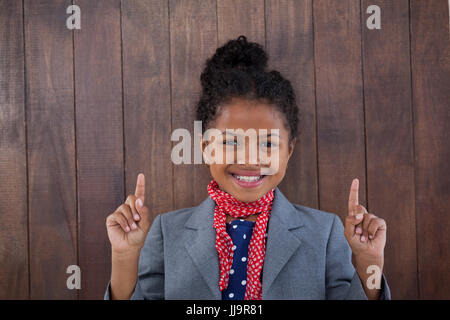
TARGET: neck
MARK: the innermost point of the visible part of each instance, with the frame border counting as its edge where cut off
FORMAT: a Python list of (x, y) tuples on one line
[(252, 217)]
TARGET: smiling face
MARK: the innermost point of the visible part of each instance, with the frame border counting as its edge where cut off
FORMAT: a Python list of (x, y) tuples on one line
[(252, 177)]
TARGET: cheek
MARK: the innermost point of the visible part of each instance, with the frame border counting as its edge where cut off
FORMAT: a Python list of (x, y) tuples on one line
[(217, 171), (281, 163), (276, 162)]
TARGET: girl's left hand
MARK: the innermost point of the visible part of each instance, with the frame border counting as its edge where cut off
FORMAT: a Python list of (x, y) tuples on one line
[(365, 232)]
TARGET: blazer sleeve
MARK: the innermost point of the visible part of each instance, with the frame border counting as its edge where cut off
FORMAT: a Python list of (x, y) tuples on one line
[(150, 282), (342, 280)]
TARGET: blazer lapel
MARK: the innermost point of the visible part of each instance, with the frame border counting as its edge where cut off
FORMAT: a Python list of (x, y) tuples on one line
[(201, 245), (281, 242)]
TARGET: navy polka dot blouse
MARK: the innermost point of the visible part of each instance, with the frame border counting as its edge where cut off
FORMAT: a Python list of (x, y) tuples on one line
[(240, 232)]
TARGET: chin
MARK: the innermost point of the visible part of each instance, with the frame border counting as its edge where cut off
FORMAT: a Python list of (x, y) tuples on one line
[(248, 198)]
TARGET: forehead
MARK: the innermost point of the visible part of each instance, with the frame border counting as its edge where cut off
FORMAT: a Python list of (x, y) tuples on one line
[(246, 114)]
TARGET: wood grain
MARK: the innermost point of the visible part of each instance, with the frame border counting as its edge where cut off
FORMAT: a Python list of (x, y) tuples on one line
[(193, 38), (339, 96), (99, 118), (13, 162), (82, 112), (147, 109), (390, 149), (51, 149), (292, 54), (240, 17), (430, 58)]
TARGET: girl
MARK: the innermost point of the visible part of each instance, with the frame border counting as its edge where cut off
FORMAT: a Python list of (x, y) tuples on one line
[(246, 240)]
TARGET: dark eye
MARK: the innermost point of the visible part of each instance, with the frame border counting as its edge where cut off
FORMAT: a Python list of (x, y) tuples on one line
[(230, 142), (269, 144)]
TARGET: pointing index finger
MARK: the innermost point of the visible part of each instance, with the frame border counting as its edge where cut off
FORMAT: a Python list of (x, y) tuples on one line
[(140, 187), (353, 197)]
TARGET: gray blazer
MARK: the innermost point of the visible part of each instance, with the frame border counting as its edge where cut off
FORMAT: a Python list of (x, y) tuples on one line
[(307, 256)]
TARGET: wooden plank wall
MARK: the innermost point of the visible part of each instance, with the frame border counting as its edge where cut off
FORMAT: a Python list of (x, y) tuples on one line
[(49, 96), (82, 112)]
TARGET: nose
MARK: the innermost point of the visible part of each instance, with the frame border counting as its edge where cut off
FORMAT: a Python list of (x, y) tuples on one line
[(249, 155)]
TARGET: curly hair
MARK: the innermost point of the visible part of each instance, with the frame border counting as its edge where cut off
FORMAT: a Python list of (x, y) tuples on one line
[(238, 70)]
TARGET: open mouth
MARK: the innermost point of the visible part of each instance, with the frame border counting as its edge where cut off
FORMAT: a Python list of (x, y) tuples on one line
[(248, 180)]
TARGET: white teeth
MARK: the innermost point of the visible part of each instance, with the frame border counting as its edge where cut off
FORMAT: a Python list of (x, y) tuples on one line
[(248, 178)]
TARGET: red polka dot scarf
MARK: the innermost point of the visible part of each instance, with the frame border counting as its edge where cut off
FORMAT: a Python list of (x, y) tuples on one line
[(227, 204)]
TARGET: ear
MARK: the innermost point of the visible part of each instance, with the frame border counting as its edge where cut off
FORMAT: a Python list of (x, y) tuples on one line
[(291, 147), (203, 144)]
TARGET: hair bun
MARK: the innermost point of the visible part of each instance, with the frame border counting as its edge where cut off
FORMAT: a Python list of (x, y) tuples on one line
[(238, 53), (238, 69)]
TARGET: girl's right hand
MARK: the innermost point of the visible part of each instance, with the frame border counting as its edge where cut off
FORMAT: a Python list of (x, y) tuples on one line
[(128, 226)]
